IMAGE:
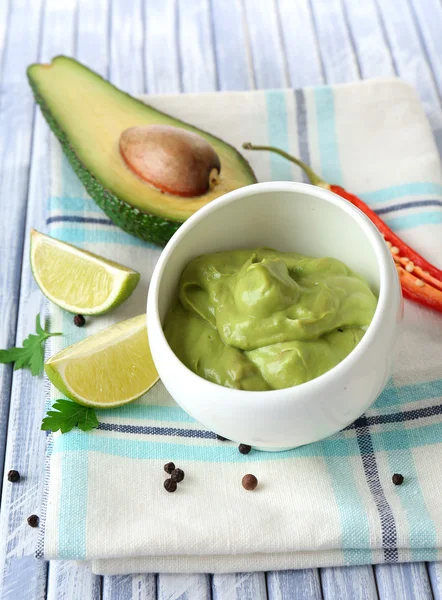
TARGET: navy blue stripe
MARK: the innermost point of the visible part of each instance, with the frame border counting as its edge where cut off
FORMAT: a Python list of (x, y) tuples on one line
[(187, 433), (301, 119), (410, 415), (70, 219), (388, 525), (402, 205)]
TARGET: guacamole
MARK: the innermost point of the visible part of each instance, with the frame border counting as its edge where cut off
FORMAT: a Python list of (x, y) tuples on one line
[(261, 319)]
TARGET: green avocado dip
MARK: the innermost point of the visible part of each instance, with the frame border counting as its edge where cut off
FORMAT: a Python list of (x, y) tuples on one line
[(261, 319)]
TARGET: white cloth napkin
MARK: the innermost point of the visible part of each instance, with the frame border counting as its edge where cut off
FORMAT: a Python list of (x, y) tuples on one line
[(328, 503)]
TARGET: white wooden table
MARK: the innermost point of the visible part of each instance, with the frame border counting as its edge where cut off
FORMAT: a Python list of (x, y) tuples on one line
[(159, 46)]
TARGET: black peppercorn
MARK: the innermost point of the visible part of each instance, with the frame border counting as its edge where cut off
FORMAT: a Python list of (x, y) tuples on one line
[(13, 476), (170, 485), (33, 521), (397, 479), (221, 438), (249, 482), (244, 448), (177, 475), (79, 320), (169, 467)]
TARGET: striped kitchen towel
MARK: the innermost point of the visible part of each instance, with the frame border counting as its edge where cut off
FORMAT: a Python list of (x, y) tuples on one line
[(328, 503)]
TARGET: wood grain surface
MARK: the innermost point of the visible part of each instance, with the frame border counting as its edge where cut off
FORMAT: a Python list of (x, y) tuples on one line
[(171, 46)]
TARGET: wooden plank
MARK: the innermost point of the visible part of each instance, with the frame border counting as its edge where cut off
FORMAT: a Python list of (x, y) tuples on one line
[(7, 334), (435, 574), (407, 581), (69, 581), (239, 586), (126, 45), (93, 44), (303, 584), (269, 63), (335, 43), (232, 50), (161, 57), (409, 59), (183, 587), (129, 587), (373, 54), (428, 18), (19, 577), (5, 11), (195, 39), (349, 583), (300, 43), (18, 47)]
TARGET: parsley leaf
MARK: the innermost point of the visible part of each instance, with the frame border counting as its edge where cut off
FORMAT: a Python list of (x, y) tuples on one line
[(65, 415), (31, 355)]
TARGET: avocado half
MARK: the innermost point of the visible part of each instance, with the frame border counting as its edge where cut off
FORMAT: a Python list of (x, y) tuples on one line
[(88, 115)]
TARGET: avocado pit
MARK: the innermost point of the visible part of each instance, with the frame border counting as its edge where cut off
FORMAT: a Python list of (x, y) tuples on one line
[(171, 159)]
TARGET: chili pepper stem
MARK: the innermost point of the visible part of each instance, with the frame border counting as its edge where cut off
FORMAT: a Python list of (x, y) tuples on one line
[(314, 178)]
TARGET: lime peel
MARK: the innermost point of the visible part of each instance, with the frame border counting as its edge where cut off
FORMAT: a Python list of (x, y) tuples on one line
[(77, 280), (108, 369)]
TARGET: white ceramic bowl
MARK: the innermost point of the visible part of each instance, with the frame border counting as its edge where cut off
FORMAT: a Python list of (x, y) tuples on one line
[(289, 217)]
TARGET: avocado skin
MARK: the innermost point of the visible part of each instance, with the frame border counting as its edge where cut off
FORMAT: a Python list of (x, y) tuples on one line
[(145, 226), (149, 228)]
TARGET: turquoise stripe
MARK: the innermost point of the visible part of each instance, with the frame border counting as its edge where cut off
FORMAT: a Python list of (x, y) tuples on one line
[(73, 504), (72, 204), (355, 530), (417, 437), (82, 234), (217, 453), (147, 412), (399, 191), (413, 392), (388, 397), (327, 135), (74, 481), (337, 445), (281, 169), (414, 220), (422, 531), (349, 502)]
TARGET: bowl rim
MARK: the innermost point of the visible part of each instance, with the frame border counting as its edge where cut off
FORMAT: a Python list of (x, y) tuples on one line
[(298, 392)]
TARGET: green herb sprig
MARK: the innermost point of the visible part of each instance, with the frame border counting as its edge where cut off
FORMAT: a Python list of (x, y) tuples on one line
[(65, 415), (31, 354)]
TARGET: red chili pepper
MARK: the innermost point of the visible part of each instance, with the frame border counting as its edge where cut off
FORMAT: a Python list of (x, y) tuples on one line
[(420, 280)]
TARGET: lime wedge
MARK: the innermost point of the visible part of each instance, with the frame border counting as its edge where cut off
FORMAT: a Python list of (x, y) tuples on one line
[(108, 369), (77, 280)]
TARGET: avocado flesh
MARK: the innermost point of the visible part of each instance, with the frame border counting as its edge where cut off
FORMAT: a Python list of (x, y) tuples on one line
[(88, 115)]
